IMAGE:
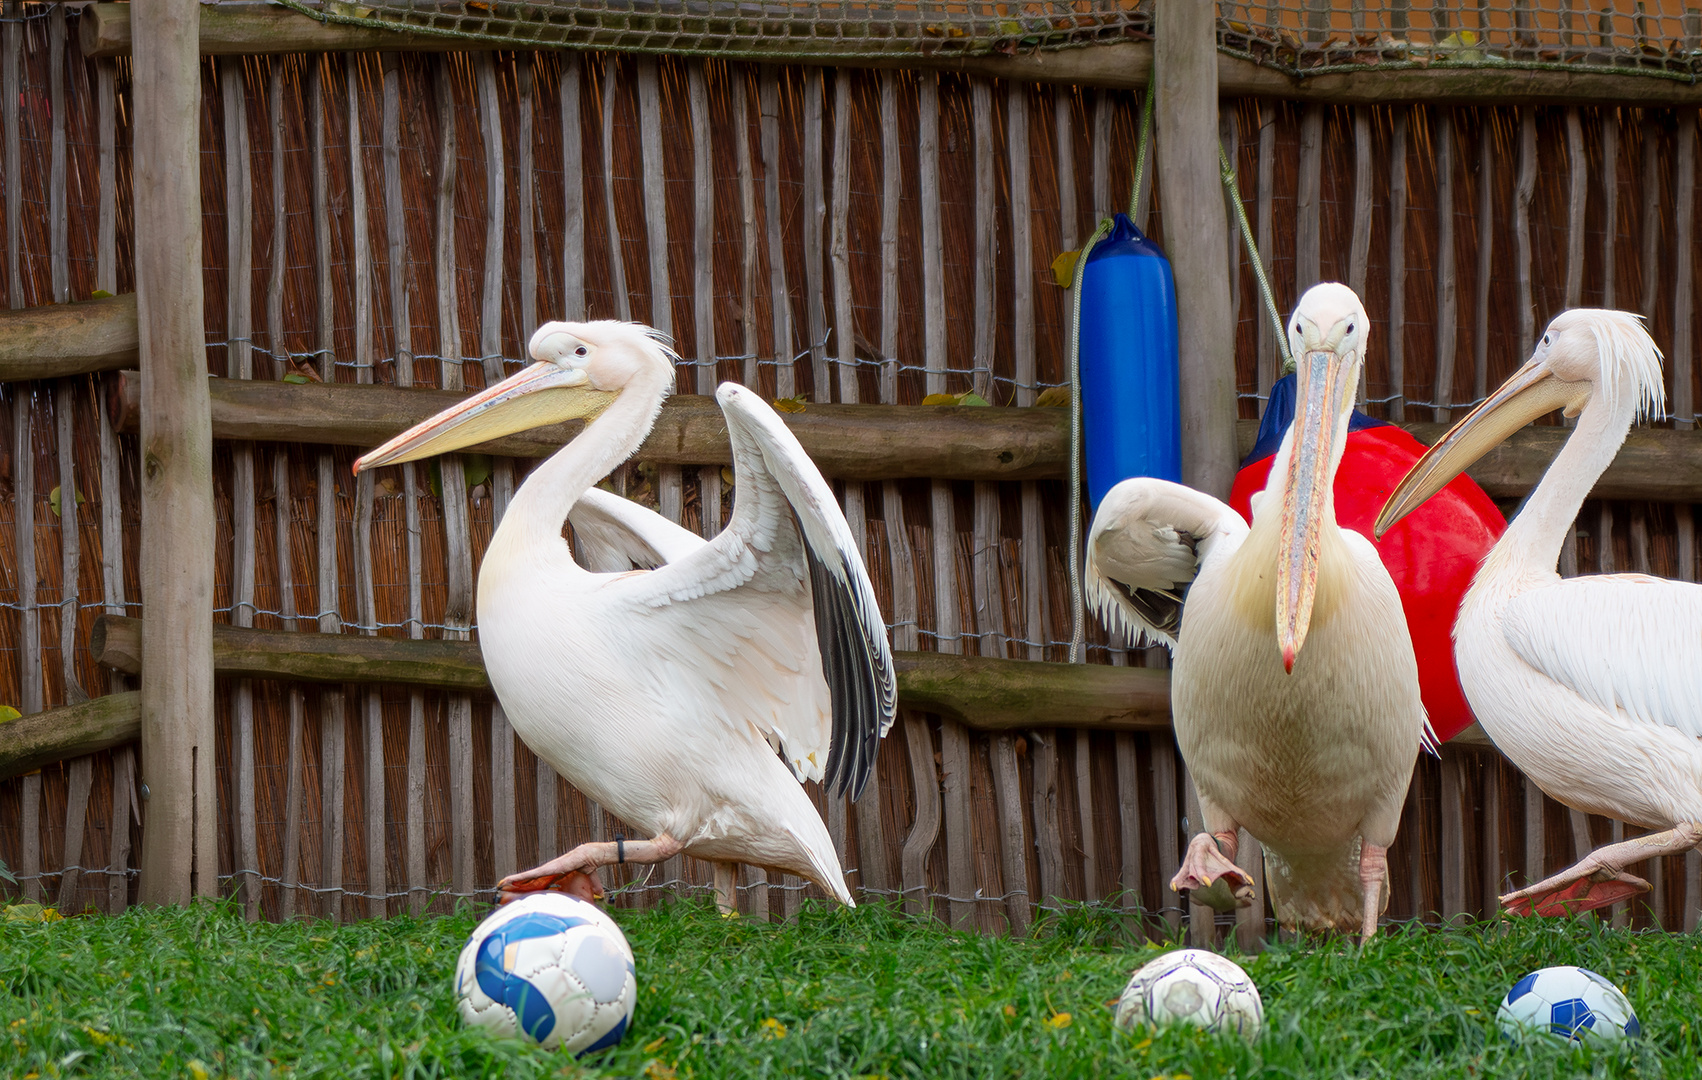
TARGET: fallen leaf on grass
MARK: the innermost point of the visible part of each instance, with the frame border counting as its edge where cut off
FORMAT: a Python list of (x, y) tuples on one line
[(771, 1029), (1058, 1020)]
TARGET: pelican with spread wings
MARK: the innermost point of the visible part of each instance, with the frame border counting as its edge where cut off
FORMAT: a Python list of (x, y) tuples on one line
[(1295, 689), (1592, 686), (689, 687)]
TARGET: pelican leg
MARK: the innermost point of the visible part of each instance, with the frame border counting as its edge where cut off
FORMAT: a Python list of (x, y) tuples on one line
[(1373, 878), (562, 871), (726, 881), (1600, 879), (1210, 859)]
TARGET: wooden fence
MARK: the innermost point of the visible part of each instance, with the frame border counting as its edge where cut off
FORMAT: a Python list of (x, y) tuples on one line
[(834, 235)]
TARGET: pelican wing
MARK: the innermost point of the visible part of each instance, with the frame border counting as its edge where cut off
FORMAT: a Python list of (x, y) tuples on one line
[(781, 599), (1624, 642), (1148, 540), (613, 535)]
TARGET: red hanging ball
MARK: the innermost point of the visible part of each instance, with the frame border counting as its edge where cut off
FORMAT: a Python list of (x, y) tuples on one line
[(1432, 554)]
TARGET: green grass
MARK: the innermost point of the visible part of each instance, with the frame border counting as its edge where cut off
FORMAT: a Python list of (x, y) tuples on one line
[(201, 993)]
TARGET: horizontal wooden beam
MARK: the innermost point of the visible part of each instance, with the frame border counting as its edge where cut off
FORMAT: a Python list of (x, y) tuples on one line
[(68, 339), (985, 693), (31, 742), (850, 442), (248, 30), (865, 442)]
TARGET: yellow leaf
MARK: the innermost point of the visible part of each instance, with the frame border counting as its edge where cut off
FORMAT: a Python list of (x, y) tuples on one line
[(655, 1045), (197, 1070), (657, 1070), (1054, 397), (1058, 1020), (1064, 268), (790, 404), (100, 294), (771, 1029), (31, 913), (940, 399), (8, 713), (1144, 1043)]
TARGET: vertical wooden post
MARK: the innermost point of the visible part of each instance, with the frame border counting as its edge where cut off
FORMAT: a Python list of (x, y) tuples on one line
[(1610, 200), (617, 260), (1447, 291), (332, 742), (239, 364), (1308, 213), (573, 191), (768, 98), (179, 845), (1577, 194), (1269, 367), (1485, 256), (1398, 264), (1684, 257), (1185, 59), (1527, 185)]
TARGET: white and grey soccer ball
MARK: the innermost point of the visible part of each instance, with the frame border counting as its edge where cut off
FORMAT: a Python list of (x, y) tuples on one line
[(551, 969), (1568, 1003), (1193, 986)]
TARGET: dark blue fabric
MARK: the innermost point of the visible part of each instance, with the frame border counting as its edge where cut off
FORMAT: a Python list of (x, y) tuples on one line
[(1279, 414)]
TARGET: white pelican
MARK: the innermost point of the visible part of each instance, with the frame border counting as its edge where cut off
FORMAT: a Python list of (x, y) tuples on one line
[(1592, 686), (1310, 749), (665, 694)]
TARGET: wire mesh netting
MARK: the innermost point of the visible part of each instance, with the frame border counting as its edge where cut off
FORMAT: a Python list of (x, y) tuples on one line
[(743, 29), (1656, 37)]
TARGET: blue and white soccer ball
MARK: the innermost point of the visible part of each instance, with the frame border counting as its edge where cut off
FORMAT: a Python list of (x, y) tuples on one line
[(1568, 1003), (1192, 986), (552, 969)]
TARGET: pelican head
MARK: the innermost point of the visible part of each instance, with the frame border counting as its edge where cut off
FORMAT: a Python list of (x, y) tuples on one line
[(580, 369), (1327, 335), (1587, 355)]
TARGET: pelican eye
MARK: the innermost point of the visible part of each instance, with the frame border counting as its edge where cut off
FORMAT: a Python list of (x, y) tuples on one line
[(1545, 339), (581, 351), (1350, 328)]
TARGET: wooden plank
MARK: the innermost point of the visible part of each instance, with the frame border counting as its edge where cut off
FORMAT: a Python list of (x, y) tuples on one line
[(12, 41), (504, 834), (954, 742), (457, 530), (1684, 219), (332, 776), (1130, 807), (239, 361), (1577, 195), (111, 501), (1048, 826), (617, 260), (1063, 128), (869, 442), (1397, 264), (1202, 919), (106, 227), (814, 218), (1610, 202), (1013, 847), (70, 731), (986, 221), (1308, 211), (1104, 108), (1167, 825), (1085, 817), (1491, 823), (1185, 65), (703, 278), (370, 704), (396, 263), (80, 771), (1447, 288), (1269, 365), (573, 253), (1453, 839), (1485, 256), (177, 497), (768, 98), (740, 90), (1651, 213), (59, 255), (1229, 137), (1522, 227), (58, 341), (913, 859), (23, 469), (1359, 248)]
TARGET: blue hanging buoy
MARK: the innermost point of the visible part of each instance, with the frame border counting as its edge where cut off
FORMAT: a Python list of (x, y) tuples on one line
[(1131, 401)]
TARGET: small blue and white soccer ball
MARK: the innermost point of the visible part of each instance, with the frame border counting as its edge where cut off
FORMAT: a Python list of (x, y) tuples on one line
[(552, 969), (1193, 986), (1569, 1003)]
